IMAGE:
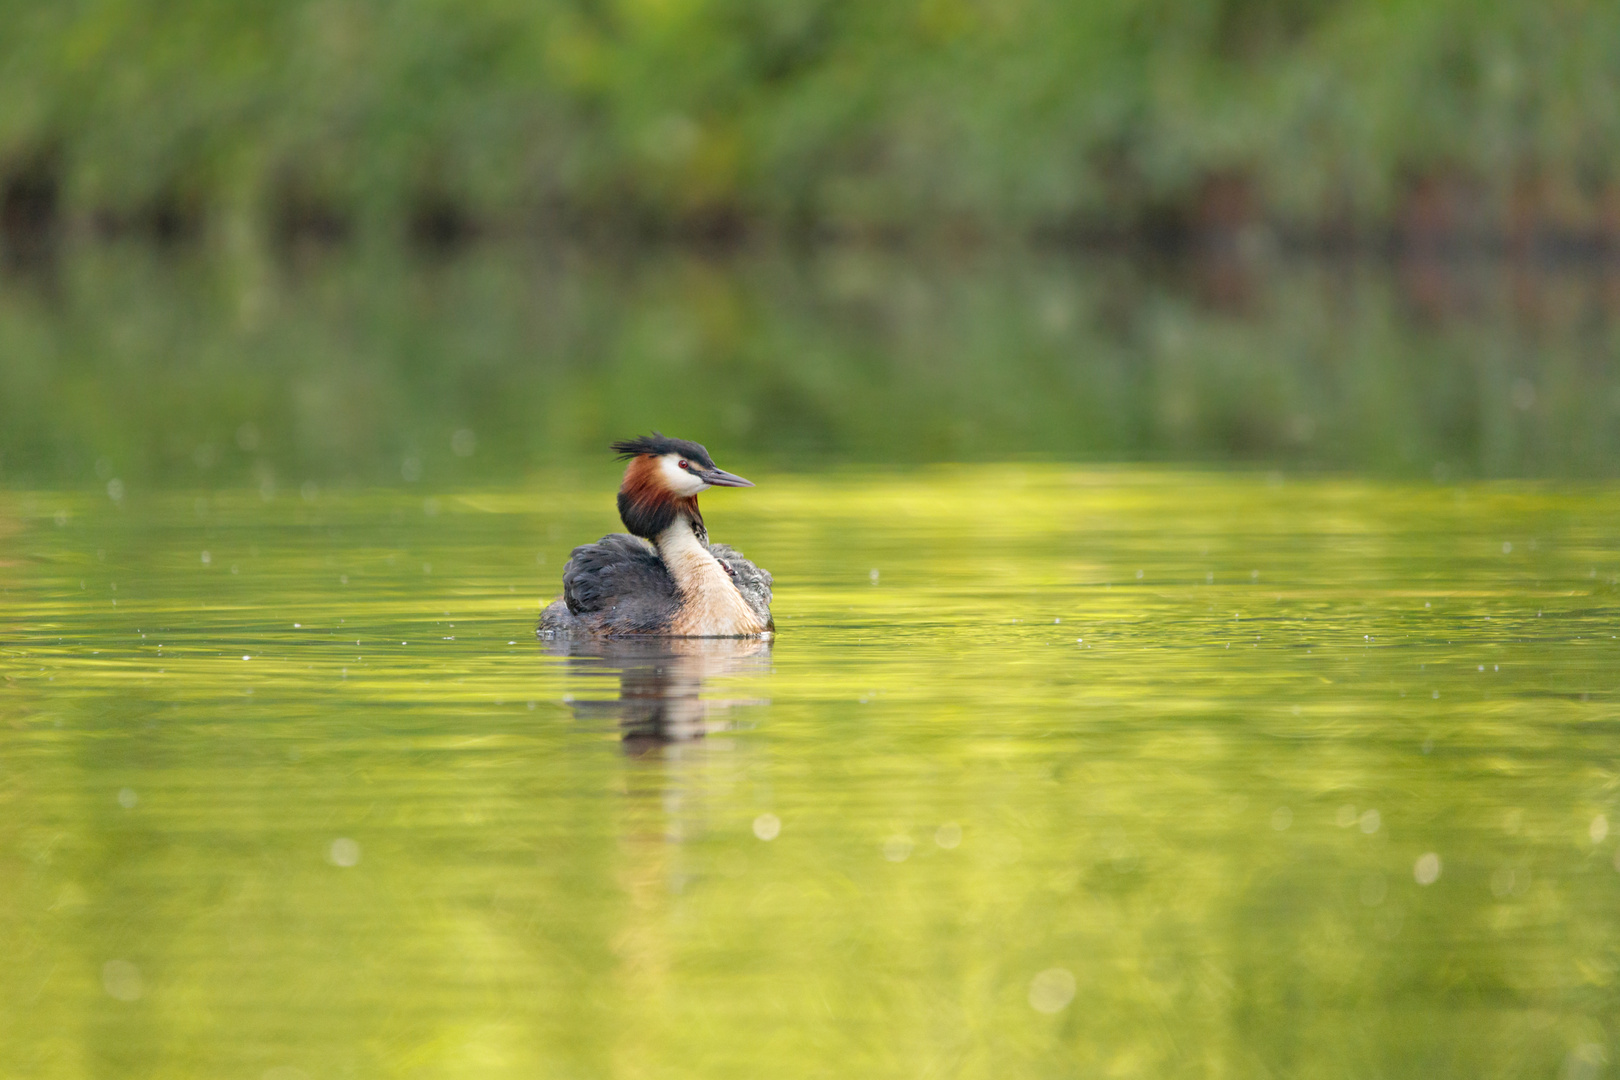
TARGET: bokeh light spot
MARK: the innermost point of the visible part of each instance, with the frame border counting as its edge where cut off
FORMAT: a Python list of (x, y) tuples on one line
[(344, 852), (1051, 990), (122, 980)]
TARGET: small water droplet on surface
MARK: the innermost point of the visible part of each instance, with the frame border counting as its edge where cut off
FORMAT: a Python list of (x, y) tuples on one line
[(948, 835), (1370, 821), (1051, 991), (1426, 870), (122, 980), (127, 798), (897, 848), (767, 826), (1281, 818), (344, 852), (1599, 829)]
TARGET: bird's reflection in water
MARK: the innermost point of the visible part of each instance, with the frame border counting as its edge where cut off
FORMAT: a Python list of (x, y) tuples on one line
[(661, 681)]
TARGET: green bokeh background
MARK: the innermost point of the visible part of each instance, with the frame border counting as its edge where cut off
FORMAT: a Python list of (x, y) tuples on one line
[(863, 118)]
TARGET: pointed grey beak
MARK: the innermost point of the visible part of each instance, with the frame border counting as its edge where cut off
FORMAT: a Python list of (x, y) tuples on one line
[(721, 478)]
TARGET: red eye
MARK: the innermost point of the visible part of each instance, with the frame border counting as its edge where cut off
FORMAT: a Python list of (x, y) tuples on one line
[(684, 465)]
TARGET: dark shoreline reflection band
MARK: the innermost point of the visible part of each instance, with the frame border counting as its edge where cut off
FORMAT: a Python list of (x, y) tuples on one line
[(1434, 370)]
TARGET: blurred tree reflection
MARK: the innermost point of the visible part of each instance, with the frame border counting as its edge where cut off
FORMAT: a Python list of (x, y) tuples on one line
[(373, 370)]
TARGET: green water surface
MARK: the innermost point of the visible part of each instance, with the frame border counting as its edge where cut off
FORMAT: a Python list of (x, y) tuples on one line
[(1049, 773)]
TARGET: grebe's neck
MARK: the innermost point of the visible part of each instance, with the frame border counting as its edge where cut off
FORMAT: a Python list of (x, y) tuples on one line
[(711, 605), (682, 550)]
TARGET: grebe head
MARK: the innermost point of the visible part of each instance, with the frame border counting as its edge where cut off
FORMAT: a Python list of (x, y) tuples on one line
[(662, 482)]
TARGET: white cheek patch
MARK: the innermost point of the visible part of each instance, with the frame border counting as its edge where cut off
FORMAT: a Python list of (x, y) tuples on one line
[(678, 479)]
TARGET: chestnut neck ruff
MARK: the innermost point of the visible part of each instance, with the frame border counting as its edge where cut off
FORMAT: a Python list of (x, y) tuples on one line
[(647, 508)]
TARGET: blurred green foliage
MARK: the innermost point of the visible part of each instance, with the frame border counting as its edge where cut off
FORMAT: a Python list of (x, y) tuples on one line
[(851, 116), (362, 367)]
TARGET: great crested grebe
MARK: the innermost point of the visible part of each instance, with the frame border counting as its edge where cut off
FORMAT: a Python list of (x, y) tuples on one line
[(681, 585)]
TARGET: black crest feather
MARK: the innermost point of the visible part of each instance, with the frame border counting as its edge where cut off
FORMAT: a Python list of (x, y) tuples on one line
[(659, 444)]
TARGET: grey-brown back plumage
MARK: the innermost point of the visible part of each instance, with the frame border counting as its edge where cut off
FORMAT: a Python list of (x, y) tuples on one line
[(619, 586), (753, 582)]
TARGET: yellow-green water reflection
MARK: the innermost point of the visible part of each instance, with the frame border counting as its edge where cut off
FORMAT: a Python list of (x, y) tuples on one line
[(1049, 773)]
